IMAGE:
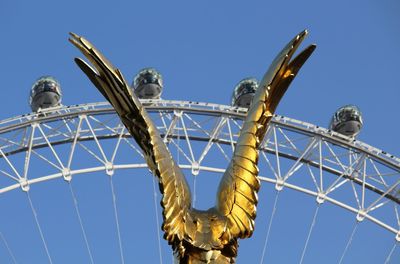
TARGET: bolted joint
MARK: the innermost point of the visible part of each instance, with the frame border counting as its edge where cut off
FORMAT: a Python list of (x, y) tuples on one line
[(279, 184), (321, 198), (24, 184), (178, 113), (66, 173), (195, 168), (109, 168), (361, 215)]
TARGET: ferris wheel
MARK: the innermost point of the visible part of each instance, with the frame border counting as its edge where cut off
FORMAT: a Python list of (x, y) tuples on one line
[(58, 146), (65, 143)]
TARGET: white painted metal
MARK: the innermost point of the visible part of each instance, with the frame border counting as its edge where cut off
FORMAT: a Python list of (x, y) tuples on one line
[(327, 161)]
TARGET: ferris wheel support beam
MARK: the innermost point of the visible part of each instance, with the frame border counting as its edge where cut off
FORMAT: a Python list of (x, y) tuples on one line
[(299, 159), (372, 174), (215, 170), (335, 202)]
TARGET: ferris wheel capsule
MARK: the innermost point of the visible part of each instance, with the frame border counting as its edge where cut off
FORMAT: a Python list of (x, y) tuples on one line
[(347, 120), (45, 93), (148, 84), (244, 92)]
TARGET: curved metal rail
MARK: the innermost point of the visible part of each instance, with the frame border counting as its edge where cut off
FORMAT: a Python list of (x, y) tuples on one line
[(295, 154)]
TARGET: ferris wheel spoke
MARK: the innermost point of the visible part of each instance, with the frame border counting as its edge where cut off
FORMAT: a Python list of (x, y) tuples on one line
[(8, 248), (392, 250), (267, 235), (349, 242), (157, 219), (39, 227), (114, 200), (309, 233), (350, 174), (78, 214), (194, 190)]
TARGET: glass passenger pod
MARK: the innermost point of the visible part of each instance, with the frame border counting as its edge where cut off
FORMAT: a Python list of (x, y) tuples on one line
[(148, 84), (347, 120), (244, 92), (45, 93)]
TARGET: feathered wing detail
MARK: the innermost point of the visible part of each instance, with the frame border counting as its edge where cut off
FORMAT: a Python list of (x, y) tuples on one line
[(237, 194), (176, 200)]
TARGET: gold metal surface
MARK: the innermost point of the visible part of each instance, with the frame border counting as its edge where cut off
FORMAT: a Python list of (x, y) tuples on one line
[(198, 236)]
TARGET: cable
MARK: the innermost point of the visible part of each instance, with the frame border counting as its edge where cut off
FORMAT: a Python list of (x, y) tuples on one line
[(39, 228), (114, 198), (309, 234), (80, 222), (157, 221), (349, 242), (391, 252), (269, 227), (8, 248)]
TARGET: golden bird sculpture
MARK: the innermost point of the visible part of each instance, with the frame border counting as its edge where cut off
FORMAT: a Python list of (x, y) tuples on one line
[(200, 236)]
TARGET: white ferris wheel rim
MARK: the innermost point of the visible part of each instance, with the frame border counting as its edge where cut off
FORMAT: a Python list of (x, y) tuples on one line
[(318, 134)]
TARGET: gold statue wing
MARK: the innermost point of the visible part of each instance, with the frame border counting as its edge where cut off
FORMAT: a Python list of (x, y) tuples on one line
[(176, 200), (237, 194)]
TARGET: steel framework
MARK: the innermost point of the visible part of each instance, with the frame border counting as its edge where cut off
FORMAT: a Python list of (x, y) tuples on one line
[(297, 155)]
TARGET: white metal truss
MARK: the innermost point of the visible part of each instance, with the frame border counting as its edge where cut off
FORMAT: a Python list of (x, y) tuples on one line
[(297, 155)]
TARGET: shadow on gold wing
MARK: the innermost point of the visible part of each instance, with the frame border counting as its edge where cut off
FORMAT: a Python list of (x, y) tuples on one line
[(176, 200), (196, 234), (237, 194)]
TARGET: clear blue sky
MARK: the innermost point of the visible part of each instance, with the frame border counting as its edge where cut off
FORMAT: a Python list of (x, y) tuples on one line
[(203, 48)]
